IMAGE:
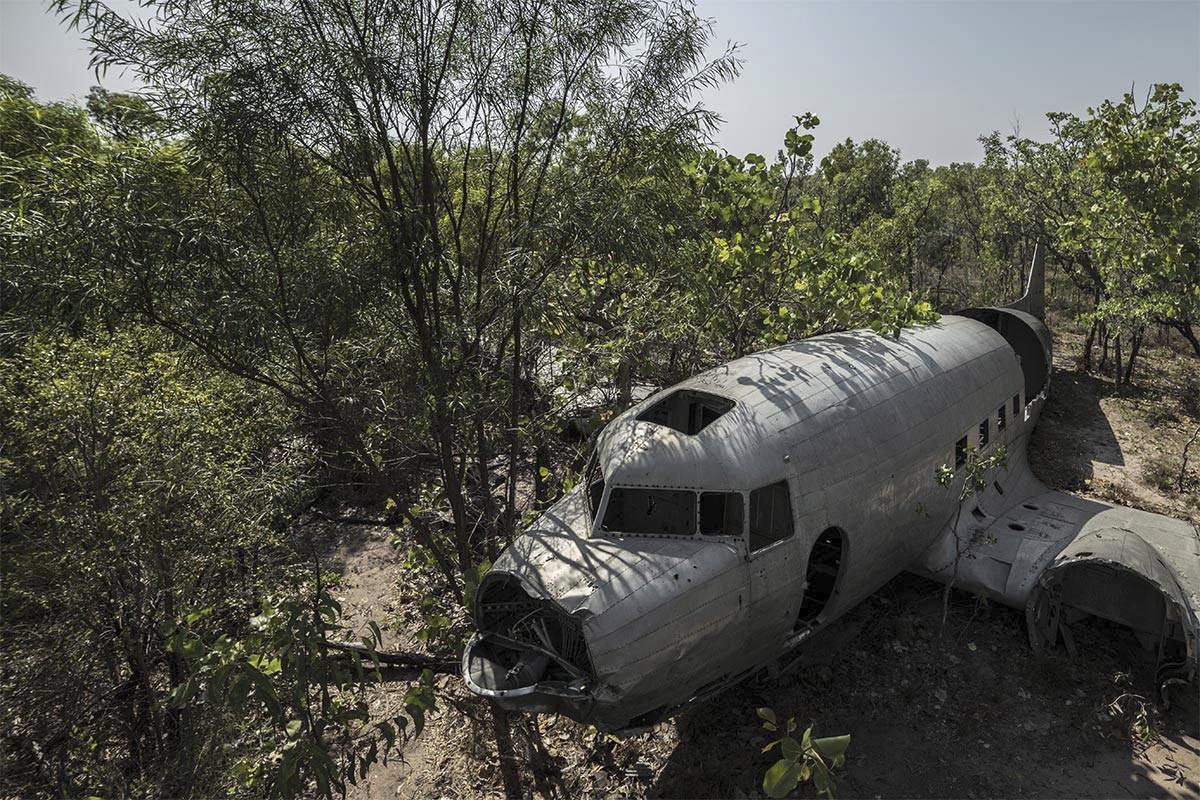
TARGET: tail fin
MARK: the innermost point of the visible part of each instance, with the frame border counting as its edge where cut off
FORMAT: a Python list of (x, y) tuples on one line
[(1034, 300)]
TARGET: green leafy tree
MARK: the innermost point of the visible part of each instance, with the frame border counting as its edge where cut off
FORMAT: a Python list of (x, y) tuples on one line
[(440, 127), (1115, 194), (129, 474)]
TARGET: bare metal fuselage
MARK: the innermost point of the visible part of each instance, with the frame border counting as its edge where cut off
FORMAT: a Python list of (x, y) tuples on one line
[(619, 629)]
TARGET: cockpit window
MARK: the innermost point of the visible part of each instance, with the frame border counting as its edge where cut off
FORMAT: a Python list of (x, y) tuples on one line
[(687, 411), (770, 515), (653, 511), (721, 513)]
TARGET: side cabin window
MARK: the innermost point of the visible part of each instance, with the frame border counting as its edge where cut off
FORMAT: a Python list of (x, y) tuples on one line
[(770, 515), (721, 513), (670, 512), (1017, 406), (1001, 418), (687, 411), (960, 452), (984, 433)]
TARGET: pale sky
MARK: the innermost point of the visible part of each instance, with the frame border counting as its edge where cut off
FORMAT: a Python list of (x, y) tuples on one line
[(927, 77)]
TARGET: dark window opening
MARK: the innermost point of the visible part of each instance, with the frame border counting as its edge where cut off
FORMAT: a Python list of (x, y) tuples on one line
[(721, 514), (978, 514), (1001, 418), (1016, 406), (824, 564), (669, 512), (595, 486), (984, 433), (999, 488), (770, 515), (687, 411), (960, 452)]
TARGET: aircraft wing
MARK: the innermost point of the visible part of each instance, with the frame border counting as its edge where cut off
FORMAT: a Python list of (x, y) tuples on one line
[(1062, 557)]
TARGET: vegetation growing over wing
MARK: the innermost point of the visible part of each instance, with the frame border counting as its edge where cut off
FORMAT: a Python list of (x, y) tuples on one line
[(339, 266)]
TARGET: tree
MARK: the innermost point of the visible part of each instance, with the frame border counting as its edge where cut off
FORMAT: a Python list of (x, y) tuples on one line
[(443, 126), (128, 475), (46, 152), (1116, 195), (1144, 223)]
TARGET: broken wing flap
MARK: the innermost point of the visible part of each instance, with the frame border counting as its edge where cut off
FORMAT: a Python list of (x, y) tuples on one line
[(1118, 575), (1061, 557)]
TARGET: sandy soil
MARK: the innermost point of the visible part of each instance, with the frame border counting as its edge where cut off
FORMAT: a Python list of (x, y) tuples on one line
[(965, 711)]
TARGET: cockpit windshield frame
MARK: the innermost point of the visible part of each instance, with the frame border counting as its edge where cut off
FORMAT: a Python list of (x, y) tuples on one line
[(733, 516)]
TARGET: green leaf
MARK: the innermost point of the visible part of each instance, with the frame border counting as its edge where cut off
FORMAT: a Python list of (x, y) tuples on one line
[(196, 616), (768, 715), (781, 778), (821, 779), (418, 717), (293, 728), (790, 749), (832, 746)]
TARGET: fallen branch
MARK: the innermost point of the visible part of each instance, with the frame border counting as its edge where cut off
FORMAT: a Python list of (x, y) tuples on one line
[(1183, 467), (396, 658)]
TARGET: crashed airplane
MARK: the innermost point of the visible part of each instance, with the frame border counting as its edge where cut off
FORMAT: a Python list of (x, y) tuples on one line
[(725, 520)]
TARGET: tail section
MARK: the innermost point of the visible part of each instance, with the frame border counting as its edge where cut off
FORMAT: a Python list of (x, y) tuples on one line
[(1034, 300)]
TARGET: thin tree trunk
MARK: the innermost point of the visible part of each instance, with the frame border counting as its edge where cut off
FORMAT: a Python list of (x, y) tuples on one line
[(1105, 341), (624, 385), (482, 458), (1117, 359), (502, 730), (514, 418), (1087, 346), (1185, 330), (1134, 346)]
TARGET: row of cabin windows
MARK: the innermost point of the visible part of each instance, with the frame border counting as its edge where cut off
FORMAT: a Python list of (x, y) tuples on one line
[(679, 512), (985, 432)]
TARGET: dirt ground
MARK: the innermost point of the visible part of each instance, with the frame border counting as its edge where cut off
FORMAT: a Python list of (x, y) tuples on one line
[(965, 711)]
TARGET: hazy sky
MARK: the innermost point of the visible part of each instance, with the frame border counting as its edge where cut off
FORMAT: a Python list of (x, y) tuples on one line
[(927, 77), (930, 78)]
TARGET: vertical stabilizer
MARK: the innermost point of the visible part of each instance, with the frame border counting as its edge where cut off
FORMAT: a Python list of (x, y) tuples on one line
[(1034, 300)]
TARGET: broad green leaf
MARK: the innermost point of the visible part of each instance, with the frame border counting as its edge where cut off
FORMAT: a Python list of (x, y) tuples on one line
[(832, 746), (790, 748), (781, 778)]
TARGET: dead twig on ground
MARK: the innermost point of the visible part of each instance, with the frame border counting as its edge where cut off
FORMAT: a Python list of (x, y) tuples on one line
[(445, 666), (1183, 467)]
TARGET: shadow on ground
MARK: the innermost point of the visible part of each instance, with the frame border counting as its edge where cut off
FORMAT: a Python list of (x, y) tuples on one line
[(1073, 432), (965, 712)]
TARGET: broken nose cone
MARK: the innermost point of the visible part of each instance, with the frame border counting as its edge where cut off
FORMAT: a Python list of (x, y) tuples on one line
[(529, 655)]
